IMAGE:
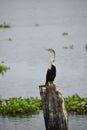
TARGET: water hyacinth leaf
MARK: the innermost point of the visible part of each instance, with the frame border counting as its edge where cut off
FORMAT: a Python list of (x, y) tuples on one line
[(3, 68), (19, 105), (68, 46), (65, 33), (77, 104), (86, 46), (5, 25)]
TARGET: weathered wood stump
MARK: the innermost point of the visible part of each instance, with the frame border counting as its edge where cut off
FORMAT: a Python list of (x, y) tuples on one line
[(54, 112)]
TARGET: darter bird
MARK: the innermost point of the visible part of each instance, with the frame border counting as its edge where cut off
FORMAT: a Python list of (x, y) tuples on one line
[(51, 73)]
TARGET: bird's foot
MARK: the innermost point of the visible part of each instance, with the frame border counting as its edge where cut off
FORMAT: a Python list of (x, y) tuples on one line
[(49, 83)]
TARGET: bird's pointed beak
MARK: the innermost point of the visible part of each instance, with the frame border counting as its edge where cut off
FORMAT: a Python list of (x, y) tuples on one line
[(47, 49)]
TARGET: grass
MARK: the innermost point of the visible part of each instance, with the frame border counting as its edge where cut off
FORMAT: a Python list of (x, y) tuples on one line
[(4, 25), (3, 68)]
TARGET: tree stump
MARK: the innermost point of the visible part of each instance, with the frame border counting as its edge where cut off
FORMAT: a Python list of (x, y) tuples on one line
[(55, 115)]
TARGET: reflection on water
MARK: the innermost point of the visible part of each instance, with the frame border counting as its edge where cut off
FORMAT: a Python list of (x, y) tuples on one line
[(36, 122), (37, 25)]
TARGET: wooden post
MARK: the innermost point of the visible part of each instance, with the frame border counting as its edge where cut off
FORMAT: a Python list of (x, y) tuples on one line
[(54, 112)]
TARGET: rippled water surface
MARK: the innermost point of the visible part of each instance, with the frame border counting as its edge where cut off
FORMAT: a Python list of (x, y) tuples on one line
[(36, 25)]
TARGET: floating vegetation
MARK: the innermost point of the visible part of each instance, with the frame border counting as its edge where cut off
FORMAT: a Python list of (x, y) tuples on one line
[(69, 47), (2, 61), (19, 105), (4, 25), (9, 39), (65, 33), (76, 104), (65, 47), (3, 68), (86, 46)]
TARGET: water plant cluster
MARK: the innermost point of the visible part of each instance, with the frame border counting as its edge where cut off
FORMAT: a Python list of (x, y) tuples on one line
[(5, 25), (3, 68), (72, 46), (86, 46), (65, 33), (19, 105), (76, 104), (69, 47), (9, 39)]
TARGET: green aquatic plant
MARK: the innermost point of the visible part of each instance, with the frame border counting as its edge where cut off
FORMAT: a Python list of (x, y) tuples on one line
[(76, 104), (65, 47), (69, 47), (5, 25), (30, 105), (19, 105), (2, 61), (86, 46), (9, 39), (65, 33), (3, 68)]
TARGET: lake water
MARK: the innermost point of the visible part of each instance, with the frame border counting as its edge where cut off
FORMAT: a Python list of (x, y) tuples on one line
[(36, 25)]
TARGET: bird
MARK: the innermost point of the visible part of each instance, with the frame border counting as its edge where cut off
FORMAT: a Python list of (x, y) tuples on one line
[(51, 72)]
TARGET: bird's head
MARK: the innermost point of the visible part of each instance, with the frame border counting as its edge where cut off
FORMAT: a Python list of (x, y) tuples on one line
[(51, 51)]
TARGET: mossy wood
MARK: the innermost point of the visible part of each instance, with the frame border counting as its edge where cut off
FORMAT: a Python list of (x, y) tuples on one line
[(54, 112)]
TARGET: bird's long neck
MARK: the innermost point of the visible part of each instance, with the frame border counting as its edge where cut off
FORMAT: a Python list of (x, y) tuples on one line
[(52, 61), (54, 55)]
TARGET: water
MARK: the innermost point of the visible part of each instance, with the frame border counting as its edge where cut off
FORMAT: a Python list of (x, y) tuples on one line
[(36, 122), (37, 25)]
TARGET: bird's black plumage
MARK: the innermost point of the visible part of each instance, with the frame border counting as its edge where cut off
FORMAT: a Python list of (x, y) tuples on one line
[(51, 74)]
